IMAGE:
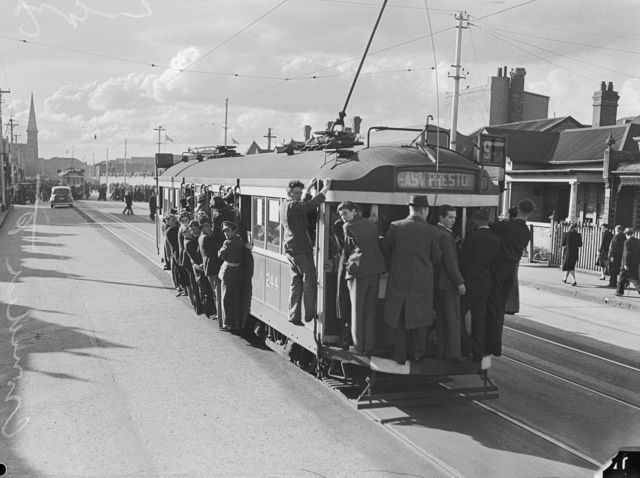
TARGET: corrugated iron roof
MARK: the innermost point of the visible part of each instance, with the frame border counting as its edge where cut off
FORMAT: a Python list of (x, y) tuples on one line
[(586, 143), (527, 147)]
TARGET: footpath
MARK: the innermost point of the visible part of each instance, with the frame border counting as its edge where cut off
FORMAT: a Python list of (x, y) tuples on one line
[(589, 286)]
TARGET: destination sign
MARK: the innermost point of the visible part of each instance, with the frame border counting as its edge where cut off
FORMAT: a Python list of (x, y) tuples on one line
[(439, 180)]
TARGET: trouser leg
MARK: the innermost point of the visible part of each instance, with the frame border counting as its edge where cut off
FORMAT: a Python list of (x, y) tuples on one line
[(295, 291), (310, 288), (418, 341)]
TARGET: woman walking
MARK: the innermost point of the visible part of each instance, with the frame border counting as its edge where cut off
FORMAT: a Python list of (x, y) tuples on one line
[(571, 243)]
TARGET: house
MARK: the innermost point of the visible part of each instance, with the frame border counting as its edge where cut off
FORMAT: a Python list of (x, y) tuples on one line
[(575, 172)]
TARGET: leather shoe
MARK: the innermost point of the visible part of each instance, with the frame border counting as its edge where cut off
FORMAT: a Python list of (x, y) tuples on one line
[(296, 322), (401, 361), (619, 294)]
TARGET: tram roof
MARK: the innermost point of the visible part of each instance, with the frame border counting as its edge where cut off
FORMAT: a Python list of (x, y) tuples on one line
[(276, 169)]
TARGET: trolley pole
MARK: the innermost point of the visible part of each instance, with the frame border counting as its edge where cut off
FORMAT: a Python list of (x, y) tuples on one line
[(3, 196), (461, 17)]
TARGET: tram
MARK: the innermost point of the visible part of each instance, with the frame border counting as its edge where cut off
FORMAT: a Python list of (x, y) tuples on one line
[(74, 178), (380, 179)]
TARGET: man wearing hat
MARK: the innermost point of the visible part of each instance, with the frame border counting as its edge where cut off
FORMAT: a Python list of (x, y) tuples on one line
[(231, 275), (616, 249), (412, 244), (515, 236), (630, 263), (299, 249), (202, 205)]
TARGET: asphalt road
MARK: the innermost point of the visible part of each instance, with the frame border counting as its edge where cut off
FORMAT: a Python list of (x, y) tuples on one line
[(118, 378), (106, 373)]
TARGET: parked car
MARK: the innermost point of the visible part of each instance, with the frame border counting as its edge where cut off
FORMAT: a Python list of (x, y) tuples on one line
[(61, 196)]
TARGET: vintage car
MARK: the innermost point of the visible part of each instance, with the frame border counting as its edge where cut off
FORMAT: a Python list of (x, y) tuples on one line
[(61, 196)]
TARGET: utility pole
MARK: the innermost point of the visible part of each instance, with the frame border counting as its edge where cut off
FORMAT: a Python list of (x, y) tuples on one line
[(11, 141), (269, 136), (3, 196), (159, 129), (226, 113), (462, 17)]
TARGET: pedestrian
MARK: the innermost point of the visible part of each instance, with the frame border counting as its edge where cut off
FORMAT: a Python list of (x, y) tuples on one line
[(616, 248), (364, 265), (571, 244), (230, 275), (299, 249), (153, 206), (515, 236), (128, 200), (477, 253), (603, 251), (449, 286), (630, 265), (412, 245)]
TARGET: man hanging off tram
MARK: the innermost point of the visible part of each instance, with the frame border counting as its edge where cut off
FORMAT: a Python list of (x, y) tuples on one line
[(299, 249)]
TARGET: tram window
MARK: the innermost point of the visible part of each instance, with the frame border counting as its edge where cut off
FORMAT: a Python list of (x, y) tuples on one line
[(273, 225), (257, 222)]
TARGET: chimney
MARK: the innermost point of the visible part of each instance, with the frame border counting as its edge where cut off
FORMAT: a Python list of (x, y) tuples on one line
[(499, 72), (516, 95), (356, 124), (605, 105), (307, 132)]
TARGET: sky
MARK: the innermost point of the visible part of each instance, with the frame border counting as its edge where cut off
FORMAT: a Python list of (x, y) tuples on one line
[(117, 78)]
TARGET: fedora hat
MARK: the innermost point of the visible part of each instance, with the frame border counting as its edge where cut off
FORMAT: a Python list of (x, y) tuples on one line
[(419, 201), (217, 202), (629, 231)]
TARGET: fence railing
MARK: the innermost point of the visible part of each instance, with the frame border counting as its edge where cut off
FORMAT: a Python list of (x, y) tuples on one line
[(547, 244)]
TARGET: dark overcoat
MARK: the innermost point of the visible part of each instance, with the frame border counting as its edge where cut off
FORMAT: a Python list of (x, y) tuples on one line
[(413, 247), (631, 256)]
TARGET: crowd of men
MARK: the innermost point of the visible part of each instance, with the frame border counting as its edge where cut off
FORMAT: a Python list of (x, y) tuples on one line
[(210, 261), (139, 192), (434, 281), (619, 257)]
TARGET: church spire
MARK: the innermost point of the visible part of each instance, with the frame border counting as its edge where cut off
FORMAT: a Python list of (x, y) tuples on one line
[(32, 127), (32, 133)]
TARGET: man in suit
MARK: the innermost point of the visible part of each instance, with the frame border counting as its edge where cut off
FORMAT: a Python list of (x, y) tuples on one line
[(449, 287), (515, 236), (412, 244), (210, 261), (616, 248), (364, 265), (476, 255), (299, 249), (630, 263)]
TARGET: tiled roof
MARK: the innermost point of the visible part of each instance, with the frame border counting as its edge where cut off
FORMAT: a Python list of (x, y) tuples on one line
[(527, 148), (586, 143)]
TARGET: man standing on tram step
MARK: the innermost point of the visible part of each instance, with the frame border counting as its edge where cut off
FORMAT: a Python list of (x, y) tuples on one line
[(197, 261), (616, 248), (476, 256), (449, 287), (343, 302), (298, 248), (364, 265), (630, 267), (230, 275), (515, 236), (210, 261), (412, 244), (221, 212), (202, 205), (191, 249), (171, 246)]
